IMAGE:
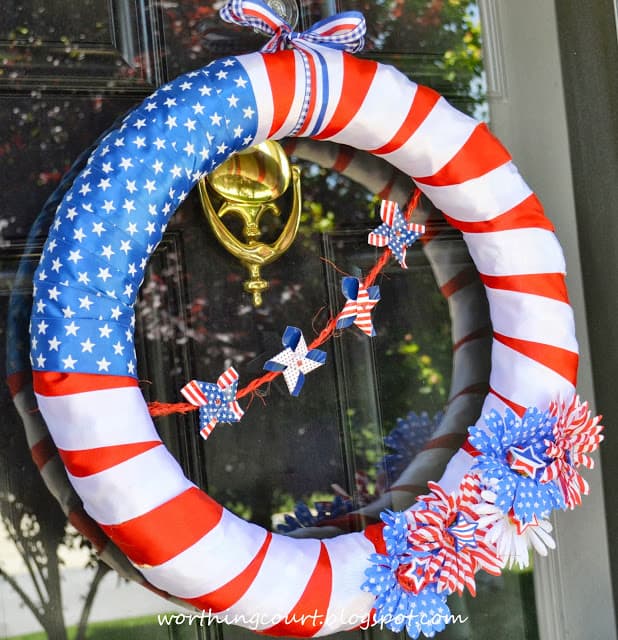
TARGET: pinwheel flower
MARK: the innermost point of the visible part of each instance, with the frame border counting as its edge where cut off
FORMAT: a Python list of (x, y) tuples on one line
[(357, 309), (512, 462), (395, 232), (575, 435), (295, 360), (217, 402), (511, 538), (404, 599), (445, 528)]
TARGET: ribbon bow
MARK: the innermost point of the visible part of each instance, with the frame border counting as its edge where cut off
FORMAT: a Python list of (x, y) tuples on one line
[(295, 360), (357, 309), (217, 402), (344, 31)]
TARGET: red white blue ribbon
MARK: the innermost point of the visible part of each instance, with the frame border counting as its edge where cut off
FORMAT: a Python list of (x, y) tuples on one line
[(344, 31), (357, 310), (295, 360), (217, 402), (395, 232)]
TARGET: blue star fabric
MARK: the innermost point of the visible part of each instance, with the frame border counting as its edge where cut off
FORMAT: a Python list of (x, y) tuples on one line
[(512, 460), (395, 232), (114, 215)]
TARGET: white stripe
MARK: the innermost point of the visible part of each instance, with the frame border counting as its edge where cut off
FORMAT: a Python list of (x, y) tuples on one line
[(254, 65), (131, 488), (222, 554), (531, 317), (468, 311), (98, 418), (457, 467), (280, 582), (34, 425), (439, 137), (371, 128), (516, 252), (525, 381), (349, 606), (483, 198)]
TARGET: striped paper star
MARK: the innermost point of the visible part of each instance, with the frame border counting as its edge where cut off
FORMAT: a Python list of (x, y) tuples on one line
[(357, 310)]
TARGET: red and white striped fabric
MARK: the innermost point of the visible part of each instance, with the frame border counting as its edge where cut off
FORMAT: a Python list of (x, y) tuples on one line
[(184, 542)]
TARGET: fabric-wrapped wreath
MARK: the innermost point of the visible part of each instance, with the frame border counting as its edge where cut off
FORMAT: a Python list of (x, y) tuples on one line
[(521, 459)]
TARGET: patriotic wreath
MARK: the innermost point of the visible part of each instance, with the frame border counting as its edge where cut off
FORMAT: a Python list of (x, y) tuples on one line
[(521, 459)]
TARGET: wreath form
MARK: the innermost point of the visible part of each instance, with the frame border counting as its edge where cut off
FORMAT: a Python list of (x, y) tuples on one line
[(84, 362)]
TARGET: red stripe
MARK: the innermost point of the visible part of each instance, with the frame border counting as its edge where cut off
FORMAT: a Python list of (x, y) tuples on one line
[(43, 451), (344, 157), (422, 104), (315, 598), (483, 332), (373, 533), (517, 408), (481, 153), (55, 383), (88, 528), (17, 381), (527, 214), (87, 462), (562, 361), (280, 67), (227, 595), (461, 280), (548, 285), (357, 78), (468, 448), (167, 530)]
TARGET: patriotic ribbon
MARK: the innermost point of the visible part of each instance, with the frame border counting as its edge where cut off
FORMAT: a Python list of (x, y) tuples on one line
[(295, 360), (395, 232), (344, 31), (357, 310), (217, 402)]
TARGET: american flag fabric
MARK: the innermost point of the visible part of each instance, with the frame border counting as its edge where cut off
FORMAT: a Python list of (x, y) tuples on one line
[(110, 221)]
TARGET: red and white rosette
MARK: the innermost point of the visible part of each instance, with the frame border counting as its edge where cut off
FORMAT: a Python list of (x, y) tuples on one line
[(181, 540)]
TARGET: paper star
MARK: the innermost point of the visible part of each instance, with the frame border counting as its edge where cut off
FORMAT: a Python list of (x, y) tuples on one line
[(394, 232), (357, 310), (525, 461), (217, 402), (295, 360)]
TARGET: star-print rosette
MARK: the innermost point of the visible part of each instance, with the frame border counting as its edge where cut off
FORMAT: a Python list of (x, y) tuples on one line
[(395, 232), (575, 435), (445, 528), (217, 402), (512, 460), (404, 598), (512, 539), (295, 360), (360, 303)]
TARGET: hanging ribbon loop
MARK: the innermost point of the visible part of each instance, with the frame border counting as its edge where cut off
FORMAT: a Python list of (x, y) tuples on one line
[(344, 31)]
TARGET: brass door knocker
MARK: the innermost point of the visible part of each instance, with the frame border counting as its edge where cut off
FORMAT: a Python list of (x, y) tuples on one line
[(249, 183)]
